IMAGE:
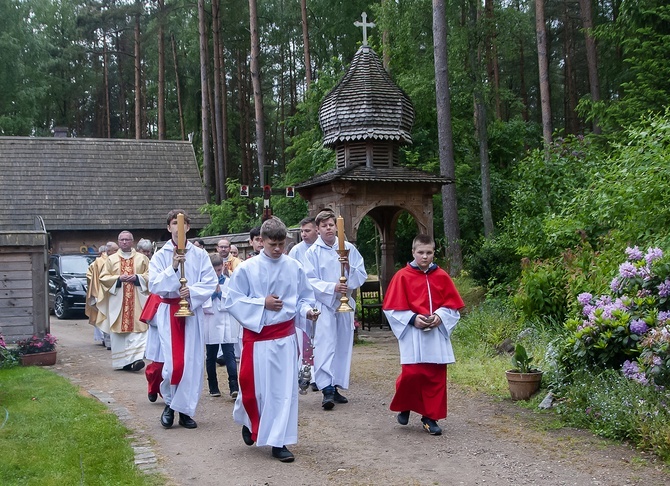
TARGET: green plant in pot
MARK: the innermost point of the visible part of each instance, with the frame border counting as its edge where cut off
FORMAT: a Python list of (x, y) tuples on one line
[(523, 380)]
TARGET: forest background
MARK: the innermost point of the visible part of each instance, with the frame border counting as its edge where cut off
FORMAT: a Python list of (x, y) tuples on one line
[(553, 120)]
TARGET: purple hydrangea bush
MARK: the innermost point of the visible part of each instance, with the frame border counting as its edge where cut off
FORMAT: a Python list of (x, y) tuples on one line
[(629, 328)]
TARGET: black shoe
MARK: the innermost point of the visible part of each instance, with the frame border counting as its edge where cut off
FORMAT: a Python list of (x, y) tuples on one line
[(134, 366), (246, 436), (186, 421), (314, 387), (214, 393), (283, 454), (328, 401), (339, 398), (430, 426), (403, 417), (167, 417), (152, 397)]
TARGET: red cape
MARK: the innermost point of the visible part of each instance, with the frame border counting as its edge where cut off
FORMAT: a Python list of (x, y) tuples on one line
[(408, 290)]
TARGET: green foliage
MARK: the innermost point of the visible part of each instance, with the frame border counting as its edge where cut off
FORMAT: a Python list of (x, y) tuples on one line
[(234, 215), (542, 289), (641, 32), (618, 408), (487, 325), (521, 362), (495, 263), (615, 328)]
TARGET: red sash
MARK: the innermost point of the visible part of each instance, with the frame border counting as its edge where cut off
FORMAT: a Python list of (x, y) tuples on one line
[(177, 331), (246, 376)]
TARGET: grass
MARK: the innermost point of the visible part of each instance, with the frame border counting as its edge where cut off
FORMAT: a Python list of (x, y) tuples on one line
[(50, 434)]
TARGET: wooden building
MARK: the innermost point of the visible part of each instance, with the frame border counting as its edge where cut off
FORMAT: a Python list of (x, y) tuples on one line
[(68, 195)]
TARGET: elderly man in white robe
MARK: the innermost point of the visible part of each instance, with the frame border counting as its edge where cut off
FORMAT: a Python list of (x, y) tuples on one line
[(182, 339), (266, 294), (334, 334), (124, 281)]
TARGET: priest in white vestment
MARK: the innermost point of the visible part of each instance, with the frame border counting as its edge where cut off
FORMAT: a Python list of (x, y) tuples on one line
[(124, 280)]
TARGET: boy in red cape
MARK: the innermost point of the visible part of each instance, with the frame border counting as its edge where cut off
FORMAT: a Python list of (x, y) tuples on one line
[(421, 305)]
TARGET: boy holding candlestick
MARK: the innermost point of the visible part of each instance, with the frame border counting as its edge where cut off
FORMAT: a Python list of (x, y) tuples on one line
[(181, 338), (266, 294), (334, 336)]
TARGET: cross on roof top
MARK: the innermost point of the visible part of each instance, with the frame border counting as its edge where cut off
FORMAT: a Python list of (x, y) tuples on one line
[(365, 24)]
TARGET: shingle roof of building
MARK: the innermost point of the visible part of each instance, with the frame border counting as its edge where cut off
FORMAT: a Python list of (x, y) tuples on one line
[(366, 104), (362, 173), (97, 184)]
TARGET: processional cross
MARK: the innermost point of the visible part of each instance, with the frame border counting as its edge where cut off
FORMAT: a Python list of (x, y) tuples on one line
[(365, 24)]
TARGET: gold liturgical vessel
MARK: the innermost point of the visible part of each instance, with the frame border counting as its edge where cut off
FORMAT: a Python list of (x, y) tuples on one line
[(184, 309), (344, 300)]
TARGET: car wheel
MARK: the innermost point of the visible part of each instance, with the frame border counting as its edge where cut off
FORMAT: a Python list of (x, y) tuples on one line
[(60, 307)]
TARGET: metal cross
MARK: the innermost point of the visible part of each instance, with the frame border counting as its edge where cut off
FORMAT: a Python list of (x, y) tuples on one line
[(365, 24)]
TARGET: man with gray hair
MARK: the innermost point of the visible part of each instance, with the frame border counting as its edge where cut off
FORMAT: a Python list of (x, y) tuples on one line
[(124, 279)]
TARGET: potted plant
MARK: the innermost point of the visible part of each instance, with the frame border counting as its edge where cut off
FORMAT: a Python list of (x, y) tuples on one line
[(523, 380), (39, 351)]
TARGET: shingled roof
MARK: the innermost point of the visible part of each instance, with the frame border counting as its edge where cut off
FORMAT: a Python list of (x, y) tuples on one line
[(366, 104), (362, 173), (97, 184)]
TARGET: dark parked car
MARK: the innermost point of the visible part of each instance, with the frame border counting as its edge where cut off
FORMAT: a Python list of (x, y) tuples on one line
[(67, 283)]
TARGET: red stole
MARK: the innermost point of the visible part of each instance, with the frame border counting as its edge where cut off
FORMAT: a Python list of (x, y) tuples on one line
[(177, 331), (246, 376)]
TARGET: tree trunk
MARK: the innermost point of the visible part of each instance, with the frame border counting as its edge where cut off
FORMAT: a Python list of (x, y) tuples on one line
[(161, 69), (483, 46), (305, 44), (204, 109), (108, 117), (543, 62), (569, 83), (258, 93), (445, 138), (591, 56), (224, 119), (492, 56), (138, 76), (216, 40), (178, 87), (124, 122), (482, 135)]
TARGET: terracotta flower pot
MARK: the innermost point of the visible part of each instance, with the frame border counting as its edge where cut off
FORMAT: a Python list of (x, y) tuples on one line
[(39, 359), (522, 386)]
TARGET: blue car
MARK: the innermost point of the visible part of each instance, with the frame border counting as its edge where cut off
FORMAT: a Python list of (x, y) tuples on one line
[(67, 284)]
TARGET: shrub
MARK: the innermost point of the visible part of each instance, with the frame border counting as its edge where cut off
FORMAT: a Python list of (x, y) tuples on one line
[(629, 327), (618, 408), (542, 289)]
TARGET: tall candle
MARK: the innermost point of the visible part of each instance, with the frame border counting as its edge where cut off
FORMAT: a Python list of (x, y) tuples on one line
[(340, 232), (181, 234)]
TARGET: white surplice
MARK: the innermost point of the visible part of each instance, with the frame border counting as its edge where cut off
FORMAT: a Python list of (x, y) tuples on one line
[(164, 282), (220, 326), (334, 333), (275, 361)]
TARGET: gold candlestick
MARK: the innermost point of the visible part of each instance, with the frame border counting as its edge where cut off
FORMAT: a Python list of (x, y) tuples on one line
[(344, 300), (184, 308)]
